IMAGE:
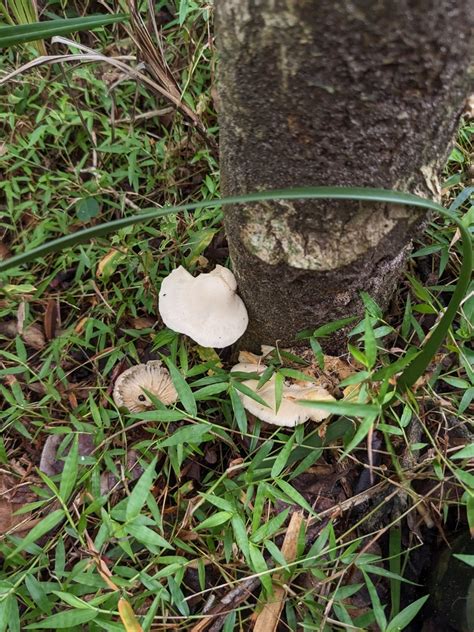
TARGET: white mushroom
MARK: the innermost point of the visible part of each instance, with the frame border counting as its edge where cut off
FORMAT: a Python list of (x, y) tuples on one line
[(290, 413), (131, 386), (205, 308)]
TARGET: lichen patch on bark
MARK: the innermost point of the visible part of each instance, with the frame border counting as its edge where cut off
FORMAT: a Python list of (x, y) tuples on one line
[(274, 237)]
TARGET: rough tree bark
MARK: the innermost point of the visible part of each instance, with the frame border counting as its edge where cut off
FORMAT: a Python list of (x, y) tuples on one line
[(351, 93)]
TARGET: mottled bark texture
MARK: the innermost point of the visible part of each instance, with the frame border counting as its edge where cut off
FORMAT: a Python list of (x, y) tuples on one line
[(352, 93)]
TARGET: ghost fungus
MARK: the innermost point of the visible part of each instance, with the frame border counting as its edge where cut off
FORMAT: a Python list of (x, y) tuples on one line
[(206, 308), (132, 385), (290, 413)]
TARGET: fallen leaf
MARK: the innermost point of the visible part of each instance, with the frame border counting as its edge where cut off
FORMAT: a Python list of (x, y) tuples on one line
[(51, 318), (72, 399), (108, 264), (207, 354), (8, 328), (108, 480), (102, 567), (20, 317), (339, 368), (143, 322), (63, 279), (432, 368), (50, 463), (128, 617), (269, 618), (247, 356), (4, 252), (12, 497), (79, 328), (34, 337), (351, 392)]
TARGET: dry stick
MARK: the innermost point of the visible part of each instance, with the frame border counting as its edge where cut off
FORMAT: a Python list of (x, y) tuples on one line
[(269, 617), (228, 602)]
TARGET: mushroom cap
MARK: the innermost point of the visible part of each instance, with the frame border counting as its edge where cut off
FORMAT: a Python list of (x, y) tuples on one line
[(290, 413), (130, 386), (205, 308)]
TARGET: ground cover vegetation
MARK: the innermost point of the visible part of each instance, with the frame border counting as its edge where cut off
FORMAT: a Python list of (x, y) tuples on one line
[(198, 516)]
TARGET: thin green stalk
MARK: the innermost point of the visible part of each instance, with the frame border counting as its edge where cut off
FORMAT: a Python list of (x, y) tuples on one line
[(22, 33)]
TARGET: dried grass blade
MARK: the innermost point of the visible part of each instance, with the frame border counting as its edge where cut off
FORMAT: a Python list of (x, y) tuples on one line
[(269, 617)]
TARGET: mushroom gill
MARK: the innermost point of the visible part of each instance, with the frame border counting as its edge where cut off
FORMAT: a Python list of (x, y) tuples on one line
[(132, 385)]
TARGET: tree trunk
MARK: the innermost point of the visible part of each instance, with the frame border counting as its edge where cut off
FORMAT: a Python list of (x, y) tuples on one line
[(351, 93)]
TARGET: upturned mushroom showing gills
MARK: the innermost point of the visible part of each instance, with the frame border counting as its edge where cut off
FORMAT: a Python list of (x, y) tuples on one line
[(290, 413), (132, 386), (206, 308)]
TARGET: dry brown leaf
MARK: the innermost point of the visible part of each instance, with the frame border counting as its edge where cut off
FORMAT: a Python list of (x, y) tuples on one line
[(142, 322), (34, 337), (48, 463), (78, 329), (339, 368), (12, 498), (108, 263), (428, 374), (51, 463), (72, 399), (4, 252), (128, 617), (351, 392), (51, 318), (102, 567), (8, 328), (108, 480), (251, 358), (20, 317), (268, 619)]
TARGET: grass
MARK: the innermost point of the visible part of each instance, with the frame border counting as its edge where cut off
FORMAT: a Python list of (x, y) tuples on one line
[(20, 12), (177, 513)]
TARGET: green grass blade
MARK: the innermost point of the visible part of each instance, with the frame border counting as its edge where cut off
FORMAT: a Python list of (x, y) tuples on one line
[(192, 434), (64, 620), (321, 193), (185, 394), (69, 473), (48, 523), (417, 367), (147, 536), (376, 603), (395, 551), (403, 618), (20, 34), (138, 497), (461, 198), (341, 407)]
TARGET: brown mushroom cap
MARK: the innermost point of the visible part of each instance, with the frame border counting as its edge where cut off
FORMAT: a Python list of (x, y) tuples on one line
[(131, 386)]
